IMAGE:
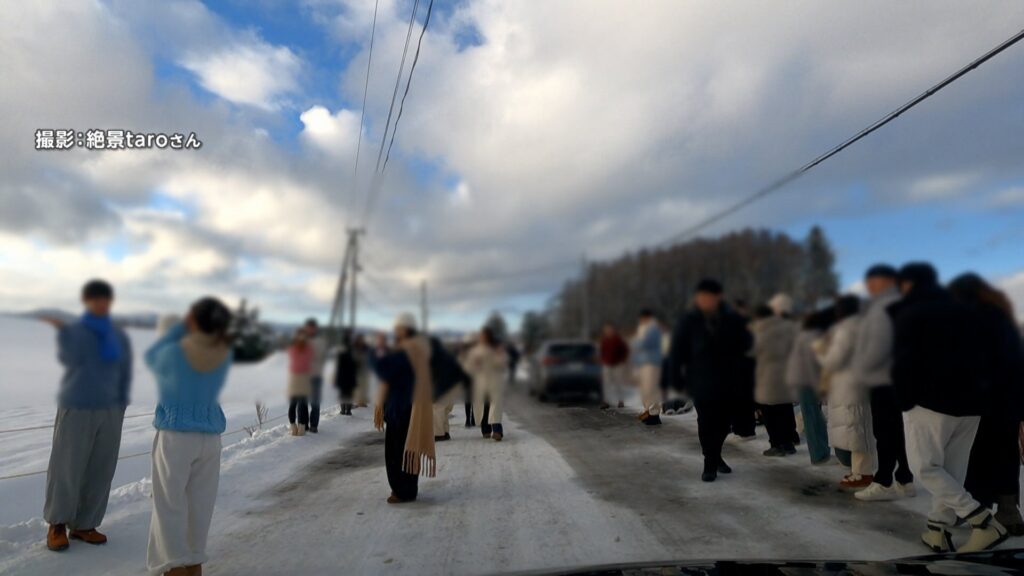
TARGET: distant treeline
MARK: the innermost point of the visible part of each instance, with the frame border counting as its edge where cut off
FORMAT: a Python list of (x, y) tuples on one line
[(752, 264)]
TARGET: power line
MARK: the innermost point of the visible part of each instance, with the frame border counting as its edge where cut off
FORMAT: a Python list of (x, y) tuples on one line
[(398, 82), (362, 112), (781, 182), (408, 82), (378, 179)]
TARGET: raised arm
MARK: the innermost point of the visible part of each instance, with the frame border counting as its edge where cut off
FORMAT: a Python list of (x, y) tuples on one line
[(157, 357)]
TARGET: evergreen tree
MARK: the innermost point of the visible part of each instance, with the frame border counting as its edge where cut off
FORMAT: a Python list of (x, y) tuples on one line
[(819, 280)]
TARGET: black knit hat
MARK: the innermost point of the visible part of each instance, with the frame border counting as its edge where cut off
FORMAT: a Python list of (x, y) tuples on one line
[(919, 274), (97, 289), (709, 285), (881, 271)]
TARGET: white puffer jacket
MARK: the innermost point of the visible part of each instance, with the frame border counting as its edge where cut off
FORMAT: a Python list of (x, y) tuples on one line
[(849, 406)]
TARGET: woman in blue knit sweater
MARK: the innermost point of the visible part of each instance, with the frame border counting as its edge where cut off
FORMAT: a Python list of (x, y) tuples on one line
[(190, 363)]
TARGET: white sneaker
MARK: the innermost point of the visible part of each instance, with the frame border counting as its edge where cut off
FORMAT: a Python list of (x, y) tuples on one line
[(908, 489), (875, 492)]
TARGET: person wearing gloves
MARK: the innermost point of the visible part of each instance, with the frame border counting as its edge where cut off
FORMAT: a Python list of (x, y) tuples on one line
[(300, 369), (190, 363), (849, 407), (773, 340), (97, 359), (404, 411)]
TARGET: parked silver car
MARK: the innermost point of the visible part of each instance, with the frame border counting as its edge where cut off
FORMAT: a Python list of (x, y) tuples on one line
[(566, 368)]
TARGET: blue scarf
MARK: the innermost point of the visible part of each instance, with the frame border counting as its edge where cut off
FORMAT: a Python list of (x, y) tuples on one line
[(103, 328)]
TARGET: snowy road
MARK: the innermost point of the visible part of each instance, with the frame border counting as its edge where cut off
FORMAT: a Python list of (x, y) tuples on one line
[(569, 486)]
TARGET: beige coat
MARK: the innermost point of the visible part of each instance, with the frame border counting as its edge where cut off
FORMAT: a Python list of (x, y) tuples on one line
[(773, 342)]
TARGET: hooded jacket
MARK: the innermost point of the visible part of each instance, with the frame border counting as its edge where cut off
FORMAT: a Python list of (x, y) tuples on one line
[(938, 358)]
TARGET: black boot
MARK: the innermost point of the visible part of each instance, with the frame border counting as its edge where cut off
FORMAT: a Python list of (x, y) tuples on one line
[(710, 471), (724, 468)]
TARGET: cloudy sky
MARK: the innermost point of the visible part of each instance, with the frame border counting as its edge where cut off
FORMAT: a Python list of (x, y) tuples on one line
[(535, 132)]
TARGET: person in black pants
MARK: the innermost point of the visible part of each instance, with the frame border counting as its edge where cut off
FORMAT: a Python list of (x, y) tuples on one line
[(404, 486), (871, 364), (742, 406), (993, 474), (708, 344)]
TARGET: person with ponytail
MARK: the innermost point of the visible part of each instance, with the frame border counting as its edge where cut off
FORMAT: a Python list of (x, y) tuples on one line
[(190, 363)]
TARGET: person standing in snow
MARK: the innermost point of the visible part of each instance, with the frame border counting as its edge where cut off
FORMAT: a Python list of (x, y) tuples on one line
[(190, 363), (94, 392), (709, 344), (742, 405), (316, 375), (346, 374), (449, 379), (872, 359), (646, 355), (486, 363), (993, 474), (773, 340), (803, 374), (300, 369), (614, 354), (361, 355), (939, 371), (849, 407), (403, 411)]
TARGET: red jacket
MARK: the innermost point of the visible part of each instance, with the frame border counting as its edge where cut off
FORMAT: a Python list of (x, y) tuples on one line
[(614, 350)]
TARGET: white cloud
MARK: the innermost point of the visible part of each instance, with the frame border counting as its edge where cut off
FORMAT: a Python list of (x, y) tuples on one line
[(335, 134), (253, 73), (1014, 287)]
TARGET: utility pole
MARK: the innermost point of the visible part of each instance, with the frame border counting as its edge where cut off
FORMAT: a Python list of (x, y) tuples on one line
[(585, 289), (423, 305), (337, 320), (353, 238)]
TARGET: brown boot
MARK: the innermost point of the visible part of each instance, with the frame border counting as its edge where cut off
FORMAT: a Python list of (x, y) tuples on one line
[(179, 571), (57, 537), (90, 536), (195, 570)]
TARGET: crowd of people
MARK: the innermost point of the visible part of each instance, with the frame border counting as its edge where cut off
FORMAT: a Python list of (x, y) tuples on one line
[(920, 381)]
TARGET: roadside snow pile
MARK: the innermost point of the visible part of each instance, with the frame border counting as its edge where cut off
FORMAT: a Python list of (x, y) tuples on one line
[(17, 537)]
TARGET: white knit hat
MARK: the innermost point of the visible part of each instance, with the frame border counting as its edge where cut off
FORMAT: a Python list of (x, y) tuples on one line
[(405, 320), (781, 304)]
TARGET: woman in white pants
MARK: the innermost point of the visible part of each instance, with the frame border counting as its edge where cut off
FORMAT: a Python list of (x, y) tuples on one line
[(487, 363), (190, 363)]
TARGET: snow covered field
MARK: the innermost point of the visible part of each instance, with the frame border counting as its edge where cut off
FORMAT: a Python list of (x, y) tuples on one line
[(29, 378)]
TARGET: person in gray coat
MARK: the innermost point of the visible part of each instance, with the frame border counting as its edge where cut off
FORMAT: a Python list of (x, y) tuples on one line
[(871, 363), (97, 359)]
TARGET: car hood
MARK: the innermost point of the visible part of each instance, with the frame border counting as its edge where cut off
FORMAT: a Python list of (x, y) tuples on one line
[(981, 563)]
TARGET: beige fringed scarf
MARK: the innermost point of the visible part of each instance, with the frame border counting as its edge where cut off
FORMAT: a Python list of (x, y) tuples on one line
[(419, 444)]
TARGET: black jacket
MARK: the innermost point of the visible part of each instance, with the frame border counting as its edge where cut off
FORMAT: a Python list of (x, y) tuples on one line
[(708, 357), (1004, 362), (345, 374), (938, 354), (445, 370)]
